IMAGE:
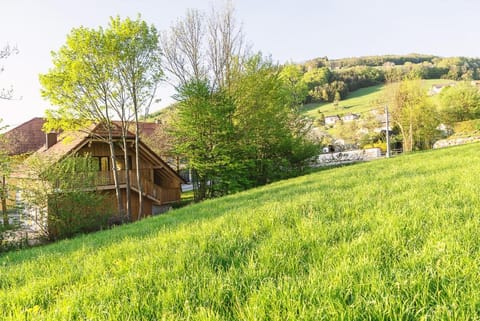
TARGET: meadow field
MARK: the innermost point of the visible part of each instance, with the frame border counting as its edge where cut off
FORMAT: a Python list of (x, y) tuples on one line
[(393, 239), (359, 101)]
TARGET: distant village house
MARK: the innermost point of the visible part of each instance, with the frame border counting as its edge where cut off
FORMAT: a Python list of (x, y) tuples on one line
[(331, 120), (350, 117)]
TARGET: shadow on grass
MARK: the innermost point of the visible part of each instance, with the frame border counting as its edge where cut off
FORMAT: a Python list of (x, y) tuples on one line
[(312, 106)]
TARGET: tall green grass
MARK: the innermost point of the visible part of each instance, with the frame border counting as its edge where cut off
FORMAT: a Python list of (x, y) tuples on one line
[(395, 239)]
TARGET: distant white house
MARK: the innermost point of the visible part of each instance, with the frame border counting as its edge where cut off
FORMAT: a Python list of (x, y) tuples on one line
[(446, 130), (382, 121), (476, 83), (350, 117), (437, 88), (331, 120)]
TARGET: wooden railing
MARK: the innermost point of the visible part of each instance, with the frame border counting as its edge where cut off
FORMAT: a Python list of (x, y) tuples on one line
[(170, 195), (163, 194)]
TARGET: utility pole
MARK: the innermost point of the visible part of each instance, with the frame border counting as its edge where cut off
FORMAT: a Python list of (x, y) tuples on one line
[(387, 132)]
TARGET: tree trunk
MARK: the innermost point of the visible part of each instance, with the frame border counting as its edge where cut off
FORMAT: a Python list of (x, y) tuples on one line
[(404, 137), (118, 193), (137, 162), (4, 201), (199, 186), (127, 178)]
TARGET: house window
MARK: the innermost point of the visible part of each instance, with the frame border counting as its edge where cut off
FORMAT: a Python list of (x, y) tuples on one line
[(120, 163), (103, 163), (157, 179)]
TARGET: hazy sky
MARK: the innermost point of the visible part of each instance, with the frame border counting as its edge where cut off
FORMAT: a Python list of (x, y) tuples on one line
[(294, 30)]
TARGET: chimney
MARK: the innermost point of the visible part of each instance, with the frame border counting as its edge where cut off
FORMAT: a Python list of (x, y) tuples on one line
[(51, 139)]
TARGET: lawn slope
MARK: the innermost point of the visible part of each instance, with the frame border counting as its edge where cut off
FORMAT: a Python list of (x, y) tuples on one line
[(395, 239), (359, 101)]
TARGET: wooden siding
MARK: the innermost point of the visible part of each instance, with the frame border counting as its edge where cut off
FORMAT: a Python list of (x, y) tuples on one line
[(159, 184), (161, 194), (102, 149)]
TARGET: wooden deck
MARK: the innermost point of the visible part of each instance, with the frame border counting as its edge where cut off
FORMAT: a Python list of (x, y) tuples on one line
[(161, 195)]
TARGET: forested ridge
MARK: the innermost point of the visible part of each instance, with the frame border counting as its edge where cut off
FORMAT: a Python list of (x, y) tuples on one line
[(329, 79)]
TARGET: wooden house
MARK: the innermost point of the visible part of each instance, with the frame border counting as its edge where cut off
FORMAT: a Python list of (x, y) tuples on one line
[(350, 117), (161, 185), (331, 120)]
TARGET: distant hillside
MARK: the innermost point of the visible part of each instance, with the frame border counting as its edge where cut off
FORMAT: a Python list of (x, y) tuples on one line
[(373, 61), (398, 60), (394, 239), (328, 80), (358, 101)]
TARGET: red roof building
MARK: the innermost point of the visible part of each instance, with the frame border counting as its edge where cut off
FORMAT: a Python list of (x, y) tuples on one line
[(25, 138)]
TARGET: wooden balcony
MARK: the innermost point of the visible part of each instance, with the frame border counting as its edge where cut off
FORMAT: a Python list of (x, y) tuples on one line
[(157, 193)]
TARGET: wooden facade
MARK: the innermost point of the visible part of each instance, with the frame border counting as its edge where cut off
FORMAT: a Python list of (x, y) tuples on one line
[(160, 184)]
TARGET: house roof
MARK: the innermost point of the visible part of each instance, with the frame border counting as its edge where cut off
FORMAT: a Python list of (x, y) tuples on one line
[(25, 138), (70, 142), (353, 115), (30, 137), (147, 129)]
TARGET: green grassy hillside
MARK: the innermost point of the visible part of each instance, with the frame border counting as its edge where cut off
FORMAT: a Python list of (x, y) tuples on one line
[(395, 239), (358, 101)]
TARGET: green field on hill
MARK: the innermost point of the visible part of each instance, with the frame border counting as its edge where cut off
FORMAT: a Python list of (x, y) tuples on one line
[(393, 239), (358, 101)]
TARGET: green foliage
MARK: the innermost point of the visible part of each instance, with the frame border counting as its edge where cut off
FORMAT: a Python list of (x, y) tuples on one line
[(460, 102), (99, 74), (359, 101), (248, 135), (381, 145), (378, 61), (414, 114), (363, 72), (467, 126), (350, 132), (5, 169), (79, 82), (62, 196), (204, 134), (394, 239), (293, 78), (317, 77), (359, 77), (271, 132), (137, 64), (329, 91)]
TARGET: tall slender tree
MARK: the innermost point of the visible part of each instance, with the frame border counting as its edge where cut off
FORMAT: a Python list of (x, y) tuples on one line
[(81, 84), (413, 113), (204, 47), (183, 48), (103, 74), (138, 72)]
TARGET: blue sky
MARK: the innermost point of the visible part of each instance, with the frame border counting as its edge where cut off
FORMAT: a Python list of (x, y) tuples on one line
[(294, 30)]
